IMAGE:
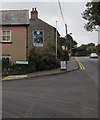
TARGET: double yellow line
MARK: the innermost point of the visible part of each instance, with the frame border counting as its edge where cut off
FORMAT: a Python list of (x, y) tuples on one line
[(80, 64)]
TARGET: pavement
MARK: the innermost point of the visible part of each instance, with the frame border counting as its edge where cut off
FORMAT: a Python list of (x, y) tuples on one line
[(72, 65)]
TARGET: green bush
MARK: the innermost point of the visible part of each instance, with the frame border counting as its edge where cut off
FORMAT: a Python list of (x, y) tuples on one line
[(18, 69), (5, 66), (94, 50), (5, 62), (81, 53), (43, 58)]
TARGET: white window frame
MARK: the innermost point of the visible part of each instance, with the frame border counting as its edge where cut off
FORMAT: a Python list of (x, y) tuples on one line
[(6, 56), (6, 36)]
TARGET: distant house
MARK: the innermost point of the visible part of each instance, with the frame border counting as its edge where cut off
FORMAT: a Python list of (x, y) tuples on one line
[(40, 32), (14, 35), (19, 34)]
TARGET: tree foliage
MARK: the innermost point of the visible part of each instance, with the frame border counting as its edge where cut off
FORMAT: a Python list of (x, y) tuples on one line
[(92, 15), (68, 42), (43, 58)]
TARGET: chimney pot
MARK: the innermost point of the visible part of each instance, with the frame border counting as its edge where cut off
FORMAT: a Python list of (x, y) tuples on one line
[(34, 13), (32, 9)]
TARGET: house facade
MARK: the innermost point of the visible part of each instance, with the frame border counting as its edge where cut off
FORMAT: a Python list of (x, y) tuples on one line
[(40, 32), (14, 35), (19, 34)]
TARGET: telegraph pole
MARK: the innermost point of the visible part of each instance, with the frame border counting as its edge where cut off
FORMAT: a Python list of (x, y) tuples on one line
[(70, 45), (56, 39), (66, 30)]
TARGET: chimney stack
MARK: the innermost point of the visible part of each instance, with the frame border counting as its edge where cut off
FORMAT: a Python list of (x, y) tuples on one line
[(34, 13)]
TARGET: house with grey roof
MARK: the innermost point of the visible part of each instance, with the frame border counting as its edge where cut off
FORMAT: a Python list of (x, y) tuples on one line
[(40, 32), (19, 34), (14, 35)]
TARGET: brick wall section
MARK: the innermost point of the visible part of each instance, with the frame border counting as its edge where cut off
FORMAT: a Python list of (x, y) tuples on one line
[(49, 31)]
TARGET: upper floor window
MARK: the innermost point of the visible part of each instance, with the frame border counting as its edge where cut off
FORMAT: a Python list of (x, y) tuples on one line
[(6, 35)]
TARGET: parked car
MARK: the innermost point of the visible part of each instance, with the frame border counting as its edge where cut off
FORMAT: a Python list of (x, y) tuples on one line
[(93, 55)]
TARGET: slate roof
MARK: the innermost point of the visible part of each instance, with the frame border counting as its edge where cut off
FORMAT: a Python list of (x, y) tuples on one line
[(43, 22), (15, 17)]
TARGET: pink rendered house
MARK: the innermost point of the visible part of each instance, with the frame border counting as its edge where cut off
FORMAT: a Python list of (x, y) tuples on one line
[(14, 35)]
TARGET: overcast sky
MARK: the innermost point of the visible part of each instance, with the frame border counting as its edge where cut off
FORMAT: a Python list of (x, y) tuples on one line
[(49, 12)]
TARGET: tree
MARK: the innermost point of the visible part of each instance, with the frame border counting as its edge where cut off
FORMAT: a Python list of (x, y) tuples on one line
[(94, 50), (92, 15), (43, 58), (91, 45), (98, 48), (68, 42)]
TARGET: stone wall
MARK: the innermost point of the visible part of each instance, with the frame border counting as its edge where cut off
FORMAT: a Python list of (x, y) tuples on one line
[(48, 30)]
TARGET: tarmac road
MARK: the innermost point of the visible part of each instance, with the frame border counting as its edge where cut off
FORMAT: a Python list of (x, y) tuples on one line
[(91, 65), (68, 95)]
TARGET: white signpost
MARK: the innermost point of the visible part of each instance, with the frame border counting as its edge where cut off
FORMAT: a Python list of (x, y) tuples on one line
[(63, 65), (22, 62)]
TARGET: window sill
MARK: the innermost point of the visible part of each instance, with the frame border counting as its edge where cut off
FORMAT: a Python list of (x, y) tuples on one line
[(6, 42)]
